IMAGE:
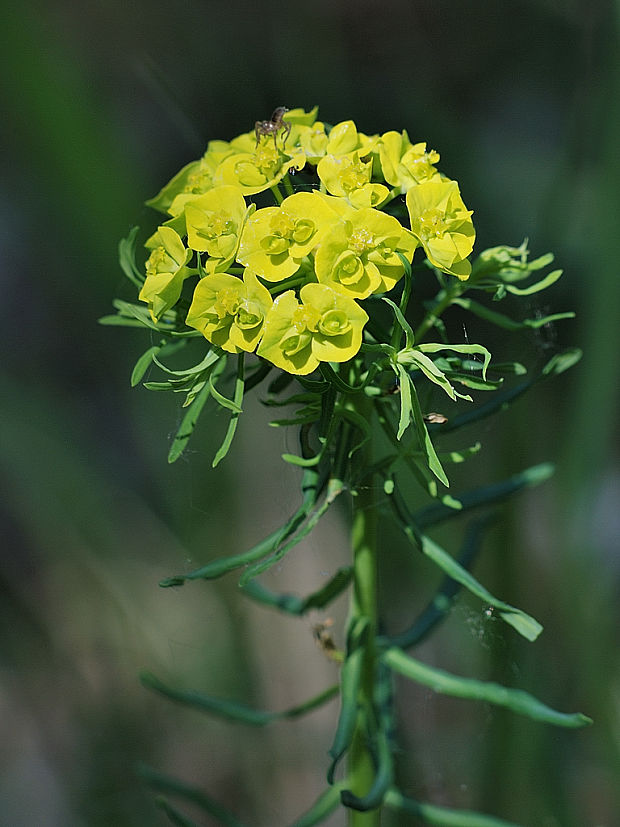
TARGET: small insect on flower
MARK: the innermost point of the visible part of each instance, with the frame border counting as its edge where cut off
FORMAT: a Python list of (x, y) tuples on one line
[(273, 126)]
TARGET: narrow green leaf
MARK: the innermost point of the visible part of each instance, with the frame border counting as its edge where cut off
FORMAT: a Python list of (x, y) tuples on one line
[(434, 347), (143, 363), (294, 605), (175, 816), (188, 423), (232, 711), (334, 489), (404, 324), (383, 780), (127, 258), (486, 495), (442, 601), (426, 442), (562, 361), (325, 804), (514, 699), (505, 322), (405, 400), (164, 783), (222, 400), (237, 400), (210, 359), (442, 816), (547, 281), (518, 619), (222, 565), (350, 681), (430, 370)]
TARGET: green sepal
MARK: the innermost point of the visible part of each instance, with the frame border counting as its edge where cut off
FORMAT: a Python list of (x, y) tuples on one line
[(445, 683), (291, 604), (232, 711), (442, 816)]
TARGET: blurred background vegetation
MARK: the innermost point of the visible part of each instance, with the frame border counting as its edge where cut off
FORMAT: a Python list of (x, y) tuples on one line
[(103, 103)]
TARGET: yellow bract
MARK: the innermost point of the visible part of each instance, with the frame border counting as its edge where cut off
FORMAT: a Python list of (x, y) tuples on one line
[(360, 254), (325, 327), (442, 224), (165, 271), (405, 164), (214, 222), (230, 312), (275, 240)]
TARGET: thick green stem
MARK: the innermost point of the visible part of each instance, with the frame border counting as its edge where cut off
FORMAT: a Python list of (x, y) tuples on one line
[(361, 770)]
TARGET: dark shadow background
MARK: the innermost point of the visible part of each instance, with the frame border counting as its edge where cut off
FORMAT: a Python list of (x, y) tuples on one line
[(102, 104)]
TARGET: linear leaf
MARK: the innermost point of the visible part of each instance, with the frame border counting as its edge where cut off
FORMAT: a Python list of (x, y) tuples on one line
[(325, 804), (442, 816), (143, 363), (231, 710), (164, 783), (447, 684), (235, 406), (188, 423), (222, 565), (294, 605), (485, 495)]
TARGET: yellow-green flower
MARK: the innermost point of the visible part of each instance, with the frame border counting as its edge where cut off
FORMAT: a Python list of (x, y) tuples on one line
[(256, 167), (214, 223), (442, 224), (325, 327), (275, 240), (191, 181), (405, 164), (230, 312), (359, 254), (165, 271), (348, 176)]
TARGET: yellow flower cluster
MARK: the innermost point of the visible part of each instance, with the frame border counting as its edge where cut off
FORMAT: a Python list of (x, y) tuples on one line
[(285, 279)]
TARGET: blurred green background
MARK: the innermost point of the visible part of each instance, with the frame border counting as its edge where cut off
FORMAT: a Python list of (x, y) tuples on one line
[(103, 103)]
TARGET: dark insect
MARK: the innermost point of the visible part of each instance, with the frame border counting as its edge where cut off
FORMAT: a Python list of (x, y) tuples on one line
[(273, 126)]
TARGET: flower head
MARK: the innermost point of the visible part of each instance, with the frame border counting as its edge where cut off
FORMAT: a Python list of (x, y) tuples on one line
[(360, 253), (230, 312), (214, 222), (275, 240), (405, 164), (442, 224), (325, 326), (165, 271)]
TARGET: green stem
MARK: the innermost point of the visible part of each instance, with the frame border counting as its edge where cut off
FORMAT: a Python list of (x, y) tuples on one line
[(434, 314), (361, 769)]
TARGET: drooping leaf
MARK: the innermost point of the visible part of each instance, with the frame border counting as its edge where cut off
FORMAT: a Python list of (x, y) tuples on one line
[(171, 786), (127, 258), (231, 710), (294, 605), (442, 816), (447, 684)]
